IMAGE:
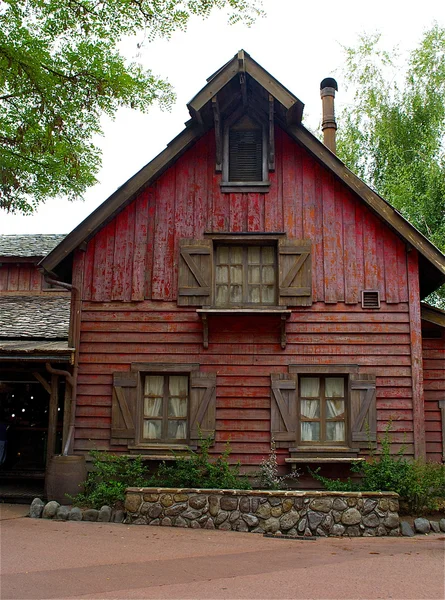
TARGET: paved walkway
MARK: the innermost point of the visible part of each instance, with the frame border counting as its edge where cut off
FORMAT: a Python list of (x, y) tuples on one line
[(53, 559)]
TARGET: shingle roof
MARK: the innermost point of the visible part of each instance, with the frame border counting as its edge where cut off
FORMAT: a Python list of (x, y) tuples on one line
[(34, 317), (38, 244)]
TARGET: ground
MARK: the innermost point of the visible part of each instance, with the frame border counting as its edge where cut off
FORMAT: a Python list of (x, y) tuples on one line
[(50, 559)]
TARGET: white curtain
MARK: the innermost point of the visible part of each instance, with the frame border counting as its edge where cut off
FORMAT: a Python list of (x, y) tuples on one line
[(335, 431), (310, 387), (310, 432), (177, 406)]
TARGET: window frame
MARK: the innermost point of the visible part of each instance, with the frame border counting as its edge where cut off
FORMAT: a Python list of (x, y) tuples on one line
[(165, 369), (261, 186)]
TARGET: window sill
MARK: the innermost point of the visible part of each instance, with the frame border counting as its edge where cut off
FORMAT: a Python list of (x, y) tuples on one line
[(157, 457), (159, 448), (230, 187), (281, 311)]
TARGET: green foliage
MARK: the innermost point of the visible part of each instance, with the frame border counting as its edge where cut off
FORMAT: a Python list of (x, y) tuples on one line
[(111, 475), (420, 485), (393, 135), (61, 69), (198, 471)]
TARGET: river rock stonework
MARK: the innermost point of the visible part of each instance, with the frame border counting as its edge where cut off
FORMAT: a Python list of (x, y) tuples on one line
[(288, 513)]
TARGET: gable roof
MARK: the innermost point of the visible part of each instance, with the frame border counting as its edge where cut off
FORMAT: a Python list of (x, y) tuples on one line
[(34, 317), (29, 245), (226, 87)]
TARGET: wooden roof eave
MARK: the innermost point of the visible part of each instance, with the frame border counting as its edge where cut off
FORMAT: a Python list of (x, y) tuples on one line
[(293, 106), (376, 203), (432, 314), (122, 196)]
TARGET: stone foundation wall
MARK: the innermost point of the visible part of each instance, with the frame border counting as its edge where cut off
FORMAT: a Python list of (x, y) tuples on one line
[(288, 513)]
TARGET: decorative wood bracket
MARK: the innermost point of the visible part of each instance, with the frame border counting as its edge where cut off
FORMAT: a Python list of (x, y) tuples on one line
[(282, 312), (218, 133), (242, 77), (271, 159)]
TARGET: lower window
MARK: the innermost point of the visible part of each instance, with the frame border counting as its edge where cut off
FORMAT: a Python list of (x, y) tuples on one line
[(322, 410), (166, 408)]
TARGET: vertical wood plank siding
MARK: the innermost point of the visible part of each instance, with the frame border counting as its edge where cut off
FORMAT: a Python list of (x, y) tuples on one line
[(351, 250), (434, 386), (24, 277)]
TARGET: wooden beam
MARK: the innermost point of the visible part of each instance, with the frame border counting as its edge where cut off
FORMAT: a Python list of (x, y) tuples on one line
[(214, 86), (218, 133), (271, 134), (242, 76), (43, 381), (52, 418), (416, 356), (432, 315)]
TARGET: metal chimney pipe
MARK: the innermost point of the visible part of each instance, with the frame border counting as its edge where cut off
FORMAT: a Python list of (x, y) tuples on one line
[(328, 87)]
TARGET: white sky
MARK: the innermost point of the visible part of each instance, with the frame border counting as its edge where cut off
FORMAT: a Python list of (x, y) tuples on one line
[(298, 42)]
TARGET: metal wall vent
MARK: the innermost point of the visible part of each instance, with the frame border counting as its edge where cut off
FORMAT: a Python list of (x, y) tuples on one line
[(245, 155), (370, 299)]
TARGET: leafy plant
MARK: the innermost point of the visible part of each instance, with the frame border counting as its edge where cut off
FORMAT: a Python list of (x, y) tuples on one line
[(420, 485), (199, 471), (268, 477), (110, 476)]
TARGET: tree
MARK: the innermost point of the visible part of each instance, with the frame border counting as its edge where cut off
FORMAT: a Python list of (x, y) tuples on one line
[(393, 135), (61, 69)]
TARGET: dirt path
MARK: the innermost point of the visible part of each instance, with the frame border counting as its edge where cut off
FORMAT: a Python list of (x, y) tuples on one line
[(48, 559)]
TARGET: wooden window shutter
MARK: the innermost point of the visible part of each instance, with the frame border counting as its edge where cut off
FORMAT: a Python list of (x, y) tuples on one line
[(295, 272), (195, 272), (283, 409), (202, 404), (363, 409), (123, 407)]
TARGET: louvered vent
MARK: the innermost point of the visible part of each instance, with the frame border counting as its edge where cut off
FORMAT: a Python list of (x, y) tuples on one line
[(245, 155), (370, 299)]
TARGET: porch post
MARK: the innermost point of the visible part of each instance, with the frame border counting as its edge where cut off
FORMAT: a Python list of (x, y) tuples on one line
[(52, 418)]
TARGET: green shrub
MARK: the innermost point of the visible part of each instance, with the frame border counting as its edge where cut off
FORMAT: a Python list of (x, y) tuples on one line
[(268, 477), (110, 476), (198, 471), (421, 486)]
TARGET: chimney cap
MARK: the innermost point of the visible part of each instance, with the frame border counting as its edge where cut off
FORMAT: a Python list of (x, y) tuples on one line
[(329, 82)]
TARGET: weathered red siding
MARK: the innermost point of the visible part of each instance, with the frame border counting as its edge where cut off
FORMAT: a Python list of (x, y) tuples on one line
[(136, 256), (434, 385), (23, 277)]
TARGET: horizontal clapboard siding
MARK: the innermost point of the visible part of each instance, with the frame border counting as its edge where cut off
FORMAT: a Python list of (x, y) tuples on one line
[(434, 386), (243, 352)]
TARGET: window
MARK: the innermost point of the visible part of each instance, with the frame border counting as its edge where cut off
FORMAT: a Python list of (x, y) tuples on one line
[(165, 408), (322, 410), (245, 275), (245, 155)]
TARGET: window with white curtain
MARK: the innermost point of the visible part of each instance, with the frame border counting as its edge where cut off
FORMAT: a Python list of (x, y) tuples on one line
[(322, 410), (165, 408)]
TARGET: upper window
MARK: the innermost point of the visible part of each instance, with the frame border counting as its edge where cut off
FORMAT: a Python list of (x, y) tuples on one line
[(322, 410), (165, 406), (245, 160), (245, 275)]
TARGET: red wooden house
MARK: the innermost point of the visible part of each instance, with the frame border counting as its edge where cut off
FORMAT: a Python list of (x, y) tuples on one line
[(245, 282)]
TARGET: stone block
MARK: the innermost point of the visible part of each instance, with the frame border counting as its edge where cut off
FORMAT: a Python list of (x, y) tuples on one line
[(175, 510), (180, 522), (394, 532), (351, 516), (369, 506), (298, 503), (166, 500), (319, 531), (209, 524), (50, 510), (351, 502), (274, 501), (242, 526), (371, 520), (442, 525), (435, 526), (391, 520), (271, 525), (75, 514), (337, 529), (353, 531), (289, 520), (234, 516), (226, 526), (406, 529), (229, 503), (140, 521), (321, 504), (257, 530), (90, 515), (381, 531), (36, 508), (145, 507), (369, 533), (339, 504), (384, 504), (62, 514), (328, 523), (132, 502), (254, 502), (221, 517), (191, 514), (276, 511), (287, 504), (244, 504), (180, 497), (314, 519), (155, 522), (213, 505), (393, 505), (154, 511), (195, 525), (166, 521), (151, 497), (251, 520), (336, 515), (118, 516), (263, 511), (302, 525), (197, 502)]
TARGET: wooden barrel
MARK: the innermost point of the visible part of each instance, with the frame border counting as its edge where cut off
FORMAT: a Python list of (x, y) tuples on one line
[(65, 475)]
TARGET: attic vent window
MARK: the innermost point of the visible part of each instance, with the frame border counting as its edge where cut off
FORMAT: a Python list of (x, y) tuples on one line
[(370, 299), (245, 166)]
